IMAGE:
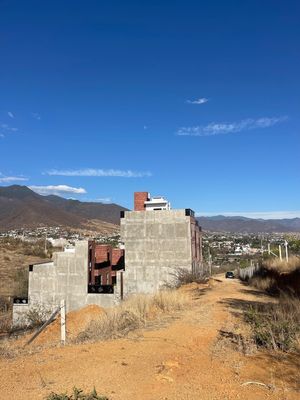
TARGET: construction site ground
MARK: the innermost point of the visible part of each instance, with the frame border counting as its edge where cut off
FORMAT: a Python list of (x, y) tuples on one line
[(199, 353)]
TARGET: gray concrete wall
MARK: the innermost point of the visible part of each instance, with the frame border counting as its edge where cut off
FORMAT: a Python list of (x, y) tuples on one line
[(64, 278), (157, 243)]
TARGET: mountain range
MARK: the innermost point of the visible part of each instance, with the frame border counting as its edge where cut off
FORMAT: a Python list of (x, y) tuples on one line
[(237, 224), (20, 207)]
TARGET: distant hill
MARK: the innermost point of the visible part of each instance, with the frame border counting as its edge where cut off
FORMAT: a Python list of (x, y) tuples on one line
[(237, 224), (20, 207)]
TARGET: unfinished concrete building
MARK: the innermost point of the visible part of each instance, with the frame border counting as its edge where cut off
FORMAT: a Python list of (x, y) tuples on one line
[(157, 243)]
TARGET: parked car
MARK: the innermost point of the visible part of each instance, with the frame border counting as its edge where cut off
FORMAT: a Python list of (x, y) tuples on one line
[(229, 275)]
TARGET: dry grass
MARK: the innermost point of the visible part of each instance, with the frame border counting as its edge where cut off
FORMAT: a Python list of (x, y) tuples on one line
[(6, 351), (283, 266), (183, 276), (77, 394), (265, 283), (133, 314), (276, 326), (15, 256)]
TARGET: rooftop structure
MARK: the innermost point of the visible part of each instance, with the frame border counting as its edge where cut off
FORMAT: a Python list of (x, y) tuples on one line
[(144, 202)]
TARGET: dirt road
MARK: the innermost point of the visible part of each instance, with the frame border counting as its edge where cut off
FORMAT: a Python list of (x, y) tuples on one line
[(182, 358)]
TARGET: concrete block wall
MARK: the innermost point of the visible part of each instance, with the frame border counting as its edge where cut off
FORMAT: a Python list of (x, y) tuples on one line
[(156, 244), (64, 278)]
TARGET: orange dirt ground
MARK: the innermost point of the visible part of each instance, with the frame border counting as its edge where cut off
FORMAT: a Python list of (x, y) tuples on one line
[(180, 358)]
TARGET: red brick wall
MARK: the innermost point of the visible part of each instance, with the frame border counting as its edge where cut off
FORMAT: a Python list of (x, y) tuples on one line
[(101, 253), (116, 255), (139, 200)]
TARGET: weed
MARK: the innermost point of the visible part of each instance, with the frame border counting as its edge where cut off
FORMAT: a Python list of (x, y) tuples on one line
[(276, 325), (37, 315), (77, 395), (184, 276), (6, 351)]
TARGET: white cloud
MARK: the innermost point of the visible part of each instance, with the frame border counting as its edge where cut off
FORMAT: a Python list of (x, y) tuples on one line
[(56, 189), (202, 100), (10, 114), (36, 116), (213, 128), (4, 128), (8, 179), (98, 173), (255, 214), (99, 200)]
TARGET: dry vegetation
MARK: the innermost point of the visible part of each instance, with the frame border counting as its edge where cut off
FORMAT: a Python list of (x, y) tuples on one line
[(182, 276), (15, 256), (77, 394), (276, 326), (279, 276), (282, 266), (132, 314)]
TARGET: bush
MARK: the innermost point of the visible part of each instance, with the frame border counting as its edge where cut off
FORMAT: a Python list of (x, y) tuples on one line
[(276, 325), (77, 395), (133, 314), (37, 316), (184, 276)]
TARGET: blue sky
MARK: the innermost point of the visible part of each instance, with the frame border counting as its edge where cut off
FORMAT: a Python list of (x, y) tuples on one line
[(198, 101)]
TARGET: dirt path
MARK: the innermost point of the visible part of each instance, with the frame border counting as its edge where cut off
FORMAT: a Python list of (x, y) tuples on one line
[(181, 360)]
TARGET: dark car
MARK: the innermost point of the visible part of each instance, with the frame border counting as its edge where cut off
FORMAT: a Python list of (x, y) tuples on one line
[(229, 275)]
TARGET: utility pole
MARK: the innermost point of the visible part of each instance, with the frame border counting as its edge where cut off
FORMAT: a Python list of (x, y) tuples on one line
[(209, 261), (46, 244), (280, 255), (269, 249), (286, 251)]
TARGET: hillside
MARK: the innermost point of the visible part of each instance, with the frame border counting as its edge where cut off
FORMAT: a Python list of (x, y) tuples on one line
[(237, 224), (20, 207)]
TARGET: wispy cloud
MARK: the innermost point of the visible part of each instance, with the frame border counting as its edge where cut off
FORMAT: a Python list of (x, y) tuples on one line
[(9, 179), (5, 128), (99, 173), (57, 189), (224, 128), (98, 200), (36, 116), (202, 100), (255, 214), (10, 114)]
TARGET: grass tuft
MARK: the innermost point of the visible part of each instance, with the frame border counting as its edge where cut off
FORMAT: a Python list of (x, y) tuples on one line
[(76, 395)]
